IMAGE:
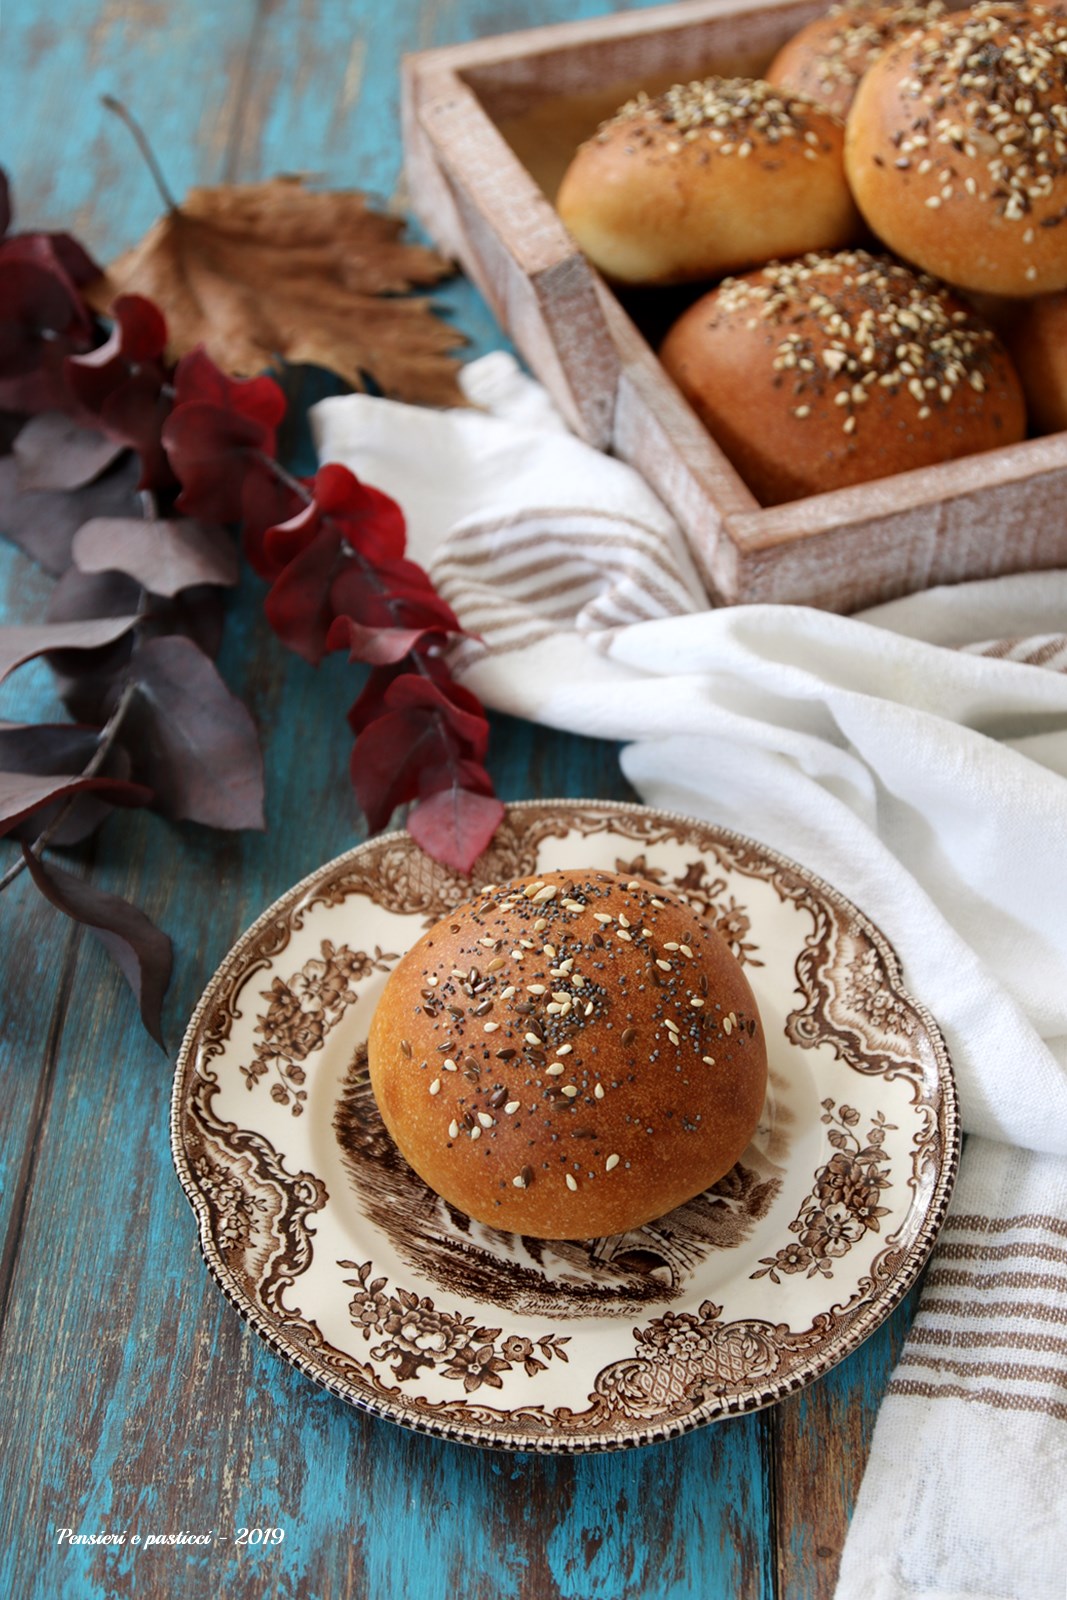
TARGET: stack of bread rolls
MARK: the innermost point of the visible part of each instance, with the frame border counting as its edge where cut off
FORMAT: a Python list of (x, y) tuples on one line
[(899, 168)]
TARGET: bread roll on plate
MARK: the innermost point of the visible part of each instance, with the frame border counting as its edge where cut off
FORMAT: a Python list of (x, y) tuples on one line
[(956, 149), (837, 369), (705, 179), (569, 1056)]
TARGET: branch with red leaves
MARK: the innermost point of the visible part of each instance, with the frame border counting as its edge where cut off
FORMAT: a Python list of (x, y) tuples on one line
[(126, 478)]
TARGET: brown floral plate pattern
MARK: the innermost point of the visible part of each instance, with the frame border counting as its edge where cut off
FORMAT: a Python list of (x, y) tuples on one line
[(347, 1265)]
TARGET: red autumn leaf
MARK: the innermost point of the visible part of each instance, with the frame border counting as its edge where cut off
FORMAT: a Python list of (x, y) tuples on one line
[(19, 644), (370, 521), (40, 300), (218, 434), (197, 380), (379, 646), (288, 539), (457, 770), (24, 793), (209, 451), (43, 524), (266, 503), (190, 739), (142, 953), (297, 606), (455, 825), (163, 556), (456, 705), (392, 594), (55, 452), (388, 757), (122, 384)]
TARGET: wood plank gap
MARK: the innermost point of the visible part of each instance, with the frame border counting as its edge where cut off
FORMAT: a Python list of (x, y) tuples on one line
[(772, 1457), (249, 62), (41, 1102)]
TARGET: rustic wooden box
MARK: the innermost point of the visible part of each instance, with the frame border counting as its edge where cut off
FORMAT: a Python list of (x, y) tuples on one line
[(489, 127)]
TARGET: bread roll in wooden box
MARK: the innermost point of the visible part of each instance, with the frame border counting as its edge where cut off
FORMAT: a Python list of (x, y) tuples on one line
[(489, 129)]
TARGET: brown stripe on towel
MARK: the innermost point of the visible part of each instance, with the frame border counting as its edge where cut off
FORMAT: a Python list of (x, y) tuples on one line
[(983, 1339), (1017, 1371), (996, 1308), (970, 1223), (957, 1250), (988, 1397), (1040, 650), (961, 1278)]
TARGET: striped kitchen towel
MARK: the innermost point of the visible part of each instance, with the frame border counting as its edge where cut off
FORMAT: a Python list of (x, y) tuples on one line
[(916, 757)]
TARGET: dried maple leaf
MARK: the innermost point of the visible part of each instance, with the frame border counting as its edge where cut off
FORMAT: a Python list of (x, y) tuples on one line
[(263, 271)]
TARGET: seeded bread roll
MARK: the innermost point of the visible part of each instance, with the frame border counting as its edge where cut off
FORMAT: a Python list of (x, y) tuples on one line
[(705, 179), (570, 1056), (956, 149), (1037, 340), (827, 59), (839, 369)]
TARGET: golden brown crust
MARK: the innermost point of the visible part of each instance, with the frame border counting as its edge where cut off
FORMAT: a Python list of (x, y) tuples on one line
[(569, 1056), (840, 369), (1038, 343), (956, 149), (708, 178), (827, 59)]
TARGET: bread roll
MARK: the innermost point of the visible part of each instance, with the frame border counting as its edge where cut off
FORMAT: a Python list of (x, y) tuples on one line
[(705, 179), (1038, 342), (956, 149), (569, 1056), (827, 59), (838, 369)]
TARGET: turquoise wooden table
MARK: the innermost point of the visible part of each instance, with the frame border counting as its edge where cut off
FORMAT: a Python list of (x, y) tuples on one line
[(131, 1395)]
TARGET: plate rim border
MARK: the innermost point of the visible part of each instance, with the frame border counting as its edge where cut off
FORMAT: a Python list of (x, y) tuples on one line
[(867, 1320)]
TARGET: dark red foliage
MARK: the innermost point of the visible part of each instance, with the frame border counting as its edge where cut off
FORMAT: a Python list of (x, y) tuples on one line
[(122, 384), (134, 621), (221, 432), (142, 953)]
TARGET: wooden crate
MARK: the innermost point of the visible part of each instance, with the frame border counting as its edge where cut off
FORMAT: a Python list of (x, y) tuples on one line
[(489, 128)]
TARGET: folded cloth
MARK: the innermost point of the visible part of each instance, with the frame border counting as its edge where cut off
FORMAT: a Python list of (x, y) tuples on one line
[(916, 757)]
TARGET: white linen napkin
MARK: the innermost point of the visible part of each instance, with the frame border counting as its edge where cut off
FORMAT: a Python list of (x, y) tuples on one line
[(916, 757)]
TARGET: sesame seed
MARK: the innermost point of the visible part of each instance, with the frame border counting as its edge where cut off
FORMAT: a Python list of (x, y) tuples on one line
[(448, 1064), (708, 1060), (535, 988), (490, 1027), (611, 1163), (598, 1091), (453, 1129), (476, 1131), (564, 1049), (511, 1108), (519, 1181), (486, 1120), (571, 1184), (533, 1038), (556, 1070), (570, 1090), (435, 1087)]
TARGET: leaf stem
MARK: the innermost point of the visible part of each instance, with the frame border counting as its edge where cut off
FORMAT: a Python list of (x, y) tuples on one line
[(108, 734), (141, 140)]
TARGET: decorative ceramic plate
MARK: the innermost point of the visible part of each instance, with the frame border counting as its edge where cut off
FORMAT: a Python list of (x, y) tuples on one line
[(349, 1266)]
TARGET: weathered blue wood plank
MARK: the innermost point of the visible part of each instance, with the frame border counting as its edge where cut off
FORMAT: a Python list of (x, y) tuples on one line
[(131, 1395)]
